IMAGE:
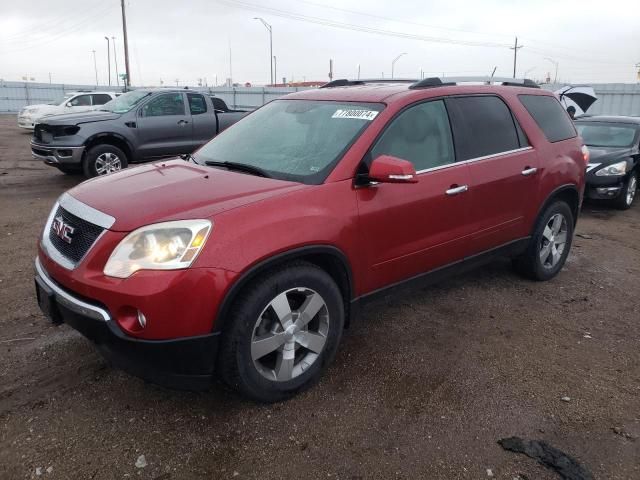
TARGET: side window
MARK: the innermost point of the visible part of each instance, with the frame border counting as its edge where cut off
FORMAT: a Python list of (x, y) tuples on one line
[(218, 104), (164, 105), (482, 125), (100, 98), (550, 116), (421, 135), (81, 101), (197, 105)]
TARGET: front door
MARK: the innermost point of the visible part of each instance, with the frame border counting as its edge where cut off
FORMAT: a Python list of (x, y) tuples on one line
[(503, 169), (409, 229), (164, 126)]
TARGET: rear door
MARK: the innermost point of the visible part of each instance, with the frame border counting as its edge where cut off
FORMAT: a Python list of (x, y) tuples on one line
[(164, 126), (203, 118), (408, 229), (502, 165)]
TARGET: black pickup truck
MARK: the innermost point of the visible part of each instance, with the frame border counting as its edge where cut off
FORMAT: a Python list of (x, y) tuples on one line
[(138, 126)]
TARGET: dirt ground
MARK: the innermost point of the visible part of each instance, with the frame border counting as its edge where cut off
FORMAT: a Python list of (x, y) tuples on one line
[(423, 386)]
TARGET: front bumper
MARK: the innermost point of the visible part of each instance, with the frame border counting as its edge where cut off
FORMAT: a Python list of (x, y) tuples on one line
[(185, 363), (57, 155), (604, 188), (27, 122)]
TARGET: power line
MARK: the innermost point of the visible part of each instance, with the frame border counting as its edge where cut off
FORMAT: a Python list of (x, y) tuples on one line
[(354, 27)]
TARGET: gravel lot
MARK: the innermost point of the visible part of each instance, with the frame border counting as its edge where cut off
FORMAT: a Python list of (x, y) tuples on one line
[(424, 384)]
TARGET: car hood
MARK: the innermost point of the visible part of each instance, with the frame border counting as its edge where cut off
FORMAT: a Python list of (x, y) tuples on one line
[(608, 155), (174, 190), (81, 117), (43, 107)]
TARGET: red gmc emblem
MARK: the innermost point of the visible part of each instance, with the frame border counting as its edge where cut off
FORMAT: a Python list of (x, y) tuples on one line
[(62, 230)]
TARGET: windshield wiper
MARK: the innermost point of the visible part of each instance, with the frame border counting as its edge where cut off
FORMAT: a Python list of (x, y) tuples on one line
[(189, 158), (242, 167)]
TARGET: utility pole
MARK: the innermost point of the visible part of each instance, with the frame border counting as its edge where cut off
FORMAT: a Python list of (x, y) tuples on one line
[(95, 66), (115, 60), (515, 49), (330, 70), (358, 71), (127, 80), (108, 59), (230, 69), (49, 78), (268, 27)]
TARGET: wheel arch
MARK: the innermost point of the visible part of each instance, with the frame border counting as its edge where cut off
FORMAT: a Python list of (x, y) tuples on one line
[(568, 193), (110, 138), (331, 259)]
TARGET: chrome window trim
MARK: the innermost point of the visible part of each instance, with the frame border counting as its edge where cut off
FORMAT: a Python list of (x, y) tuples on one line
[(85, 212), (477, 159), (72, 303)]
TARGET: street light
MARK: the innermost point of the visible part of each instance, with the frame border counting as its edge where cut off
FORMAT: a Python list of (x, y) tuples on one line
[(555, 80), (108, 57), (268, 27), (393, 64)]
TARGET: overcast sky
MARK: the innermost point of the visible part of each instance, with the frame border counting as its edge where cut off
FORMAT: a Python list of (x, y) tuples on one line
[(168, 40)]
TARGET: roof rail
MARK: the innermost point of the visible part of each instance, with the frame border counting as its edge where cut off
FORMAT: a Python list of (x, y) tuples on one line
[(445, 81), (343, 82)]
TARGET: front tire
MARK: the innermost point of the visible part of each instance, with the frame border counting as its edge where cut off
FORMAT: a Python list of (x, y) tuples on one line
[(628, 193), (283, 331), (549, 245), (103, 160)]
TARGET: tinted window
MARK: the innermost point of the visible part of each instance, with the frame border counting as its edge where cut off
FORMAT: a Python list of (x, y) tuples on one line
[(163, 105), (218, 104), (100, 98), (421, 135), (197, 105), (550, 116), (81, 101), (482, 126)]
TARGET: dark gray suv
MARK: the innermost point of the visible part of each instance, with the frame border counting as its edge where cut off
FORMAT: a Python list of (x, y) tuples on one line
[(137, 126)]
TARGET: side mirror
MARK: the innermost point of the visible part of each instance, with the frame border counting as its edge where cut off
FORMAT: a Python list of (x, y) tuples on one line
[(389, 169), (69, 104)]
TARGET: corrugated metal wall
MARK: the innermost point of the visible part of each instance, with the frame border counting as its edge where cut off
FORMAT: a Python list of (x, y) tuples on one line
[(613, 98), (16, 95)]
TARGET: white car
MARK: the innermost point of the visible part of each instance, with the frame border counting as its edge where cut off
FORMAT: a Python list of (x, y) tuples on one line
[(71, 103)]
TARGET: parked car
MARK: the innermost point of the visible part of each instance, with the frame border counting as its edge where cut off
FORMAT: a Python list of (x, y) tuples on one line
[(614, 167), (249, 260), (73, 102), (138, 126)]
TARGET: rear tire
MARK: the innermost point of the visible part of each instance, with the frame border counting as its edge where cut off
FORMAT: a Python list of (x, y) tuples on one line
[(283, 331), (103, 160), (628, 193), (549, 245)]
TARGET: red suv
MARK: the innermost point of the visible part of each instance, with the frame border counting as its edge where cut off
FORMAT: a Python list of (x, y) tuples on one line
[(248, 259)]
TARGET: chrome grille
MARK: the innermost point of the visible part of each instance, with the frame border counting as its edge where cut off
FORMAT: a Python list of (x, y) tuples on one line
[(83, 237)]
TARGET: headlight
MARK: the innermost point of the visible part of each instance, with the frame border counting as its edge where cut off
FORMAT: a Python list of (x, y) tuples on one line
[(619, 168), (162, 246)]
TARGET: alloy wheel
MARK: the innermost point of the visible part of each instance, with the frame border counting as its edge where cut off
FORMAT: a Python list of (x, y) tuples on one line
[(554, 240), (290, 334), (108, 163)]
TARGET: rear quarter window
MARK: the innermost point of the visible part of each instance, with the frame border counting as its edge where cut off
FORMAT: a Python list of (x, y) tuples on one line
[(549, 115)]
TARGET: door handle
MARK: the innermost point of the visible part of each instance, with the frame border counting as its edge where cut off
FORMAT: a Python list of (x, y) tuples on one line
[(456, 190), (529, 171), (182, 122)]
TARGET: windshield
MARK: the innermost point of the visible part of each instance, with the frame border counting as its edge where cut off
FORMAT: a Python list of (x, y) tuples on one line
[(125, 102), (607, 134), (299, 140)]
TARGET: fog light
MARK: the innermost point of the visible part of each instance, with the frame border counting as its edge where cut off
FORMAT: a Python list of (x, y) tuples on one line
[(142, 320)]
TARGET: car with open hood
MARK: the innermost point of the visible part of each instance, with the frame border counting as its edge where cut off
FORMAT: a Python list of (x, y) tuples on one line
[(247, 259)]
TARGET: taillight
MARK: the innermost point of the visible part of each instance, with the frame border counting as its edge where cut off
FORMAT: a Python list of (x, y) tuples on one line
[(585, 154)]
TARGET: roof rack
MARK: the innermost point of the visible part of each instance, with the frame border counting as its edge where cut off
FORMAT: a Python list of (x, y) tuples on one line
[(343, 82), (446, 81)]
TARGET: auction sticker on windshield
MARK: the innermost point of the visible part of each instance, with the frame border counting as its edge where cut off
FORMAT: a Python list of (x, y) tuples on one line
[(357, 114)]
